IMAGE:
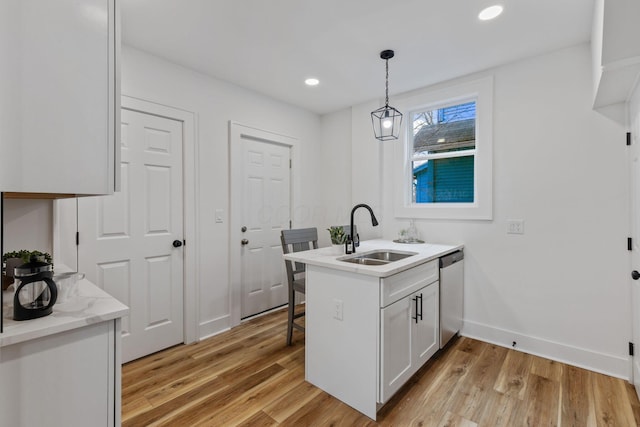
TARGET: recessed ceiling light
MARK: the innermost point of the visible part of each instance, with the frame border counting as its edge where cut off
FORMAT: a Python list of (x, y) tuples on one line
[(490, 12), (312, 81)]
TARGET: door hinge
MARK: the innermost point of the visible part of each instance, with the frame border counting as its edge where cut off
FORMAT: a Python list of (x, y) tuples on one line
[(289, 163), (290, 225), (629, 244), (631, 348), (77, 238), (628, 138)]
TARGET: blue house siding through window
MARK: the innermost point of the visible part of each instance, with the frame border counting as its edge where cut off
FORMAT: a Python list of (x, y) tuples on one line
[(457, 112), (448, 179), (445, 180)]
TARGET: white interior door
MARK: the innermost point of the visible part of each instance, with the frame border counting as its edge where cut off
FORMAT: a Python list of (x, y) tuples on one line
[(265, 211), (128, 242), (634, 158)]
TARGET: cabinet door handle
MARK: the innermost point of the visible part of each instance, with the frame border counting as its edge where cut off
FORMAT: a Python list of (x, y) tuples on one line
[(416, 310), (420, 314)]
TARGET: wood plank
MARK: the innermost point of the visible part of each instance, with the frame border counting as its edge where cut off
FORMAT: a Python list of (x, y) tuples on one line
[(611, 401), (428, 406), (248, 376), (546, 368), (253, 400), (540, 406), (468, 345), (405, 399), (163, 372), (188, 409), (498, 409), (259, 419), (304, 415), (514, 373), (468, 403), (325, 410), (286, 404), (633, 400), (454, 420), (182, 403), (577, 409), (133, 407)]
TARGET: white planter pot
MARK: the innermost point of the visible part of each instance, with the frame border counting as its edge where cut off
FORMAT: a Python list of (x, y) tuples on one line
[(338, 249)]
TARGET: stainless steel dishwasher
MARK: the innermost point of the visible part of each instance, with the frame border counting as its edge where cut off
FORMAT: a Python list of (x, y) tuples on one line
[(451, 297)]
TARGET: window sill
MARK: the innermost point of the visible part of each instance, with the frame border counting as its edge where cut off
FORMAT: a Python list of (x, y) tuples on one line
[(453, 211)]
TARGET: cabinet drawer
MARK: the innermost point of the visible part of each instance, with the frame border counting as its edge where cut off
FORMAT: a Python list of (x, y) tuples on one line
[(399, 285)]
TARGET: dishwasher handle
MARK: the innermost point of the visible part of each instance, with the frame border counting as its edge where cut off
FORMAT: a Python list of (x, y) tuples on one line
[(451, 259)]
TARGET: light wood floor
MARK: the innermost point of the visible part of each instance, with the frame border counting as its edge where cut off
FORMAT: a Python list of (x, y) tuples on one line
[(249, 377)]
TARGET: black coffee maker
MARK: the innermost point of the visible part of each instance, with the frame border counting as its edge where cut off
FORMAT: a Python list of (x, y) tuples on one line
[(36, 292)]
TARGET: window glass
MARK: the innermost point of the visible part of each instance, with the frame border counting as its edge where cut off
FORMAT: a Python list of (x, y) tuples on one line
[(442, 155)]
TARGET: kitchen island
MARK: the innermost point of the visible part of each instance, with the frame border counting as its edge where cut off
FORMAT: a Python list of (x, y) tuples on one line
[(369, 328), (63, 369)]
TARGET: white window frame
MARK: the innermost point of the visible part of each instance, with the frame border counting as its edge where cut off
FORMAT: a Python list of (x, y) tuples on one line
[(480, 91)]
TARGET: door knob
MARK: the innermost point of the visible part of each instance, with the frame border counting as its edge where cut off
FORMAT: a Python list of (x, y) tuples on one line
[(244, 242), (177, 243), (635, 275)]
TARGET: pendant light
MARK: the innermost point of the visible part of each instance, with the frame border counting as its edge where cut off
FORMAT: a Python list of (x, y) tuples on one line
[(386, 120)]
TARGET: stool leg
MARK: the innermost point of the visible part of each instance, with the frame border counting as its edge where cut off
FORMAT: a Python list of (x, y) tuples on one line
[(290, 316)]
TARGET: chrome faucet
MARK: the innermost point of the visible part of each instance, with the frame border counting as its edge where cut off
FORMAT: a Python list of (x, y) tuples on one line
[(352, 241)]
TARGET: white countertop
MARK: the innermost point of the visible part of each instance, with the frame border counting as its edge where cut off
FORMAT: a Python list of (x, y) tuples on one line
[(325, 257), (89, 306)]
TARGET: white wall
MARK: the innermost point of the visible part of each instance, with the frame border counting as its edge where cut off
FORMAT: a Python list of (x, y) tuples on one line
[(215, 103), (336, 163), (560, 290), (28, 225)]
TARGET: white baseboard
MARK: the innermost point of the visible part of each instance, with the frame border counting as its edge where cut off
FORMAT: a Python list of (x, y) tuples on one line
[(214, 326), (615, 366)]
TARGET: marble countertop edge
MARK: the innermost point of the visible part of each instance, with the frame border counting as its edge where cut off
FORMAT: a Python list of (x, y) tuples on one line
[(326, 257), (91, 305)]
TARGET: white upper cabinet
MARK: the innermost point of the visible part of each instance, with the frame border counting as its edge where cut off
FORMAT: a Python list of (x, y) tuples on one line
[(616, 55), (59, 96)]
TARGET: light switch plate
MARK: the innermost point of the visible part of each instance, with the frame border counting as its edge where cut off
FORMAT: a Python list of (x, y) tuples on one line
[(218, 215)]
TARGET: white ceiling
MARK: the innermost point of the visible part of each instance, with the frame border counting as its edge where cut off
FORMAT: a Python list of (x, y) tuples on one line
[(271, 46)]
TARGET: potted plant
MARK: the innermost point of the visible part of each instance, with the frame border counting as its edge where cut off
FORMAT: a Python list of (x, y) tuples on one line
[(338, 238), (13, 259)]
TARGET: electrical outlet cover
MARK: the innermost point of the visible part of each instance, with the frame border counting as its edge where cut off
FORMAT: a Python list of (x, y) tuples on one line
[(515, 226)]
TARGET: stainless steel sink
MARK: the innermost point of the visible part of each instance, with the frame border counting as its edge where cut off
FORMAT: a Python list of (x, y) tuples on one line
[(365, 261), (378, 257)]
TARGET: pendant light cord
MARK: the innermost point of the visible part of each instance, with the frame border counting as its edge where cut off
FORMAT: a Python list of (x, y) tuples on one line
[(386, 82)]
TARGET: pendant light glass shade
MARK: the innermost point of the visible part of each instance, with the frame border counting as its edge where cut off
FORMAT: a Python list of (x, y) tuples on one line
[(386, 123), (386, 120)]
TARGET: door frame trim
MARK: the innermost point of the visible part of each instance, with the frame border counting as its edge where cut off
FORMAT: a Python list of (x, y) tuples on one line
[(236, 132), (190, 185)]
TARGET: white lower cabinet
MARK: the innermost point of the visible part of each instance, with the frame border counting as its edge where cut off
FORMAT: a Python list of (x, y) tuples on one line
[(69, 379), (365, 335), (408, 337)]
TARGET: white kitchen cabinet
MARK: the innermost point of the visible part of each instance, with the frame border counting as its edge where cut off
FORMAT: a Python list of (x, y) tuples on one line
[(615, 55), (59, 96), (408, 337), (64, 369), (362, 343), (397, 335), (426, 329), (69, 379)]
